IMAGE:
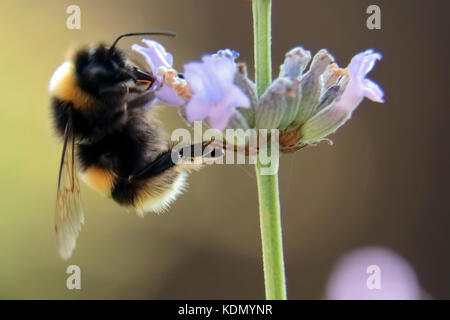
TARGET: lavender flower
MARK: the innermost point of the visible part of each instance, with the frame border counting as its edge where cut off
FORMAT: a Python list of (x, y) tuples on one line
[(355, 88), (358, 86), (215, 96), (207, 92), (156, 57), (305, 106)]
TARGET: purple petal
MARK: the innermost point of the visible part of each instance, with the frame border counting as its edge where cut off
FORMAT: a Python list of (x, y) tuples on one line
[(165, 58), (155, 54), (219, 114), (369, 62), (214, 93), (219, 120), (363, 63), (359, 87), (236, 98), (373, 91), (167, 95), (210, 77), (197, 108), (224, 68), (200, 82)]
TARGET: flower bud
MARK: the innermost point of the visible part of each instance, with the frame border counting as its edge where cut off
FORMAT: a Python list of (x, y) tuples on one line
[(295, 62), (328, 97), (292, 99), (323, 124), (248, 87), (312, 86), (275, 102), (332, 75), (238, 120)]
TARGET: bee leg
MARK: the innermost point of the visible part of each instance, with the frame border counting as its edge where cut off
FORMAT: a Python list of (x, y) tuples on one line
[(170, 158), (159, 182), (206, 149), (113, 91), (141, 100), (162, 163)]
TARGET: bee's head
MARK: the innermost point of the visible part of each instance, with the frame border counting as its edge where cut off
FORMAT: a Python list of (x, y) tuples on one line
[(99, 70)]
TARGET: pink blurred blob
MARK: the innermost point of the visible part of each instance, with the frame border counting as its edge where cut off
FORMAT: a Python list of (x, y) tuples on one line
[(373, 274)]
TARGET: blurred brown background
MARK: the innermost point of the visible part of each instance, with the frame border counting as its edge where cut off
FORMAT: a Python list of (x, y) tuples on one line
[(385, 182)]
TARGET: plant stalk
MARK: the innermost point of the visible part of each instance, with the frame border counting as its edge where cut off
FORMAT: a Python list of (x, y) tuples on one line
[(268, 194)]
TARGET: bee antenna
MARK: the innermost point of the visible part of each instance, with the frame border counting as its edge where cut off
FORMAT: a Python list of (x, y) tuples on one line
[(156, 33)]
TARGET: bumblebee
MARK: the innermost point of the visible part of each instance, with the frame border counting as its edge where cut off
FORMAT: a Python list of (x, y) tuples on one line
[(98, 101)]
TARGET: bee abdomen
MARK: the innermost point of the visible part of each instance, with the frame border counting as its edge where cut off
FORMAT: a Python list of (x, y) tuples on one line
[(153, 194), (157, 185), (99, 179)]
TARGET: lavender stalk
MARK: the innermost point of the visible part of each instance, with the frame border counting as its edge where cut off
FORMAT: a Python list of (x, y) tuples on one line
[(269, 203)]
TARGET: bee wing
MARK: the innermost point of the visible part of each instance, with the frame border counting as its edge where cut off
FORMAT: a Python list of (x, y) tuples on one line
[(68, 212)]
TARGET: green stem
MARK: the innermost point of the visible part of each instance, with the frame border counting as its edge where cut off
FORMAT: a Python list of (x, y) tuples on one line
[(268, 195), (272, 242), (262, 39)]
